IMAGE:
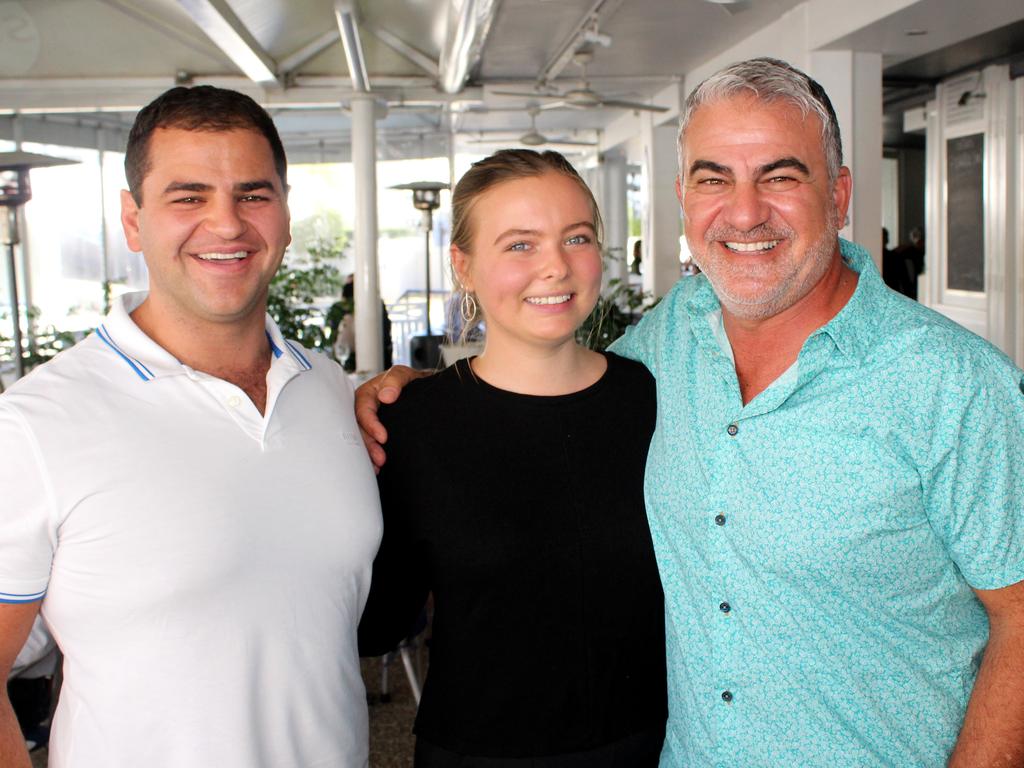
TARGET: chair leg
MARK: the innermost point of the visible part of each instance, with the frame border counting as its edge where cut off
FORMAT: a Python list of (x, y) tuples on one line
[(385, 694), (410, 673)]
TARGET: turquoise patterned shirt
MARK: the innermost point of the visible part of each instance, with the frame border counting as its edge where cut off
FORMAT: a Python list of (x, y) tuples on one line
[(818, 546)]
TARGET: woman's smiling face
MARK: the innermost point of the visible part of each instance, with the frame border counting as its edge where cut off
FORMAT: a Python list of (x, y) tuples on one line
[(535, 265)]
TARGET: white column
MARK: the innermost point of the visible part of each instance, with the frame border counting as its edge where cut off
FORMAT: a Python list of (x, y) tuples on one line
[(24, 262), (999, 192), (101, 146), (1017, 140), (662, 226), (853, 82), (369, 349), (614, 212), (929, 289)]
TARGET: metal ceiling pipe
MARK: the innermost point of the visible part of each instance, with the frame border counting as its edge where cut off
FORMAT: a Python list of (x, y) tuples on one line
[(348, 27), (469, 21), (599, 12)]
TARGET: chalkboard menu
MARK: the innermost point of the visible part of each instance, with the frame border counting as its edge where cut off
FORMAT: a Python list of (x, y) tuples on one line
[(965, 247)]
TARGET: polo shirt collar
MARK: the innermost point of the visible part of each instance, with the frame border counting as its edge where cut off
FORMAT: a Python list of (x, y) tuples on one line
[(148, 360), (285, 351), (854, 330)]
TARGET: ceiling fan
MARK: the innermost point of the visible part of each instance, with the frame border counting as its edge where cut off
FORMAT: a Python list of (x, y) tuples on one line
[(583, 96), (533, 137)]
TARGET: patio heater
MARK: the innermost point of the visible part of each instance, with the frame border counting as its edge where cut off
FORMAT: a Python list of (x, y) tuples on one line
[(425, 350), (15, 191)]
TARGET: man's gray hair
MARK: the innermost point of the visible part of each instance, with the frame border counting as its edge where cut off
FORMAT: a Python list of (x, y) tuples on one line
[(770, 80)]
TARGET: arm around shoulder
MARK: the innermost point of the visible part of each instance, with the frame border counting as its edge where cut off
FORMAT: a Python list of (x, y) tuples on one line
[(383, 388)]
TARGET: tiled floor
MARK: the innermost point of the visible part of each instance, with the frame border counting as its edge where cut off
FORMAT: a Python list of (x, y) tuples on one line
[(391, 739)]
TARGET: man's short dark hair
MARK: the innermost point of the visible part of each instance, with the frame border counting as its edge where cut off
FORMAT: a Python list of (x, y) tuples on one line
[(199, 108)]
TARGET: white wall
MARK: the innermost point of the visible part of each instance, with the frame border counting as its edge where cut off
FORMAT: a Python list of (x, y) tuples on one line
[(853, 82)]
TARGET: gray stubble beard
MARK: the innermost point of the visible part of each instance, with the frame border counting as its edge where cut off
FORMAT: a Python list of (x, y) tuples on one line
[(819, 254)]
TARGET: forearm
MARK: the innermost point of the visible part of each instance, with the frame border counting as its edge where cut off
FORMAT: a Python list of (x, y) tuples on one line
[(993, 731), (15, 624), (12, 745)]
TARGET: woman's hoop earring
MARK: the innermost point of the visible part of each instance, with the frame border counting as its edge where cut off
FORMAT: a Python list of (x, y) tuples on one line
[(468, 308)]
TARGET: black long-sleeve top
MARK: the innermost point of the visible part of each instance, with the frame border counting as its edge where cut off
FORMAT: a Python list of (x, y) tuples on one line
[(524, 516)]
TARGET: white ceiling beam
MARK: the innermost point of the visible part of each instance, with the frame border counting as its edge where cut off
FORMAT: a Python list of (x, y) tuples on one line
[(348, 28), (468, 26), (216, 19), (309, 51), (599, 12), (402, 48), (113, 94)]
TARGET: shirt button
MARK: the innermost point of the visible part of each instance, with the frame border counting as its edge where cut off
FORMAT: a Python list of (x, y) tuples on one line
[(234, 401), (724, 607), (732, 429), (719, 519), (727, 696)]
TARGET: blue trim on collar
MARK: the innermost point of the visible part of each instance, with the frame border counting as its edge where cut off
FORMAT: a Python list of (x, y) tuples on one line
[(273, 347), (135, 365), (298, 355)]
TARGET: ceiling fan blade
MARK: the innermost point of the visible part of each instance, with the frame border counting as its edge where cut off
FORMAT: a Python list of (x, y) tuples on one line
[(570, 143), (632, 105), (494, 139), (495, 110), (508, 141), (555, 105), (528, 94)]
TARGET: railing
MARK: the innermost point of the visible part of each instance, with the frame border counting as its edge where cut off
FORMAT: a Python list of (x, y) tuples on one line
[(408, 319)]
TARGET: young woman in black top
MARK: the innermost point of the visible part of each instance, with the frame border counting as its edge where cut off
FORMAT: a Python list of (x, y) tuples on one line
[(513, 490)]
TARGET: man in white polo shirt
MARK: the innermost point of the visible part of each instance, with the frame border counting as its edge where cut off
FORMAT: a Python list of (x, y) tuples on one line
[(186, 495)]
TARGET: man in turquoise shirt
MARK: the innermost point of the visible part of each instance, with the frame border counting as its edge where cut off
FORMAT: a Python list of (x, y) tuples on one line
[(836, 484)]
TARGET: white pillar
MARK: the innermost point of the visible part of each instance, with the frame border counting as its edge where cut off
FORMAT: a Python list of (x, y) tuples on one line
[(853, 82), (616, 220), (101, 145), (662, 226), (369, 347), (24, 262)]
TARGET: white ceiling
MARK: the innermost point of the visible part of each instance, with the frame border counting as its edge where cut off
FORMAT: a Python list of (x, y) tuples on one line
[(93, 62)]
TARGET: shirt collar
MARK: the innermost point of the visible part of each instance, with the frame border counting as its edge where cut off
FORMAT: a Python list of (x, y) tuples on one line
[(856, 327), (148, 360)]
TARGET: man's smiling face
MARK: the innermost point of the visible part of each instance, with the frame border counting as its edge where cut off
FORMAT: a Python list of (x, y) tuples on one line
[(761, 214), (213, 224)]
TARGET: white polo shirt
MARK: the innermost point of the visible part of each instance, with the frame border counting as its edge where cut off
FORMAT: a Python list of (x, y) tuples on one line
[(204, 567)]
